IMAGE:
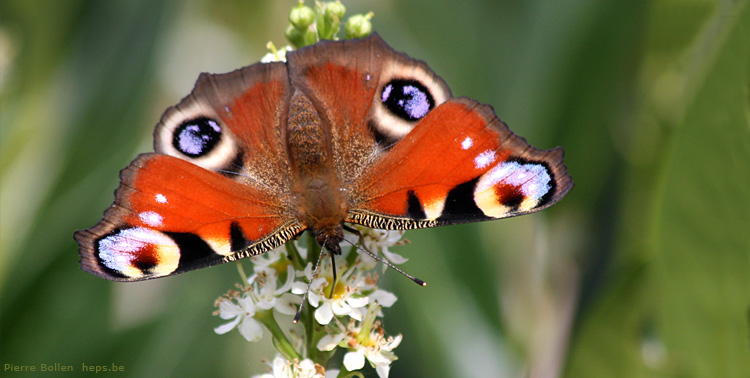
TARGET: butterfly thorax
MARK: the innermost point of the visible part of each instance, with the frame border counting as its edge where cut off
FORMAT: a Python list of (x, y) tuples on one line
[(320, 203)]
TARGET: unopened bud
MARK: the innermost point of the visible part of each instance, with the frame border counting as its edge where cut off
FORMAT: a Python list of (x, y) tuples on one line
[(301, 17), (358, 26)]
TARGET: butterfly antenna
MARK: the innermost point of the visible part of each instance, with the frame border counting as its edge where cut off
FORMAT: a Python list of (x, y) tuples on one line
[(304, 297), (384, 261)]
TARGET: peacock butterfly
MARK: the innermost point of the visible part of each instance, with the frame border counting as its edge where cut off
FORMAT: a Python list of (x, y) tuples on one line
[(344, 131)]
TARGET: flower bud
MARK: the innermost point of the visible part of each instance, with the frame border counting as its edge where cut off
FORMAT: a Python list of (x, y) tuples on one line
[(300, 38), (301, 16), (294, 36), (358, 26), (328, 20), (335, 10)]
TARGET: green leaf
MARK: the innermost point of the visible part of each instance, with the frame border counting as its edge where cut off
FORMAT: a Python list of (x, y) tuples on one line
[(676, 303), (702, 228)]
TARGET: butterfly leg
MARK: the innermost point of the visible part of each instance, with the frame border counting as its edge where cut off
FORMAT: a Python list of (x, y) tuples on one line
[(333, 266)]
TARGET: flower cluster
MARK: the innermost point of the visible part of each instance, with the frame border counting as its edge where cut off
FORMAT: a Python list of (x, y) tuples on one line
[(344, 303), (262, 293), (364, 340), (339, 313), (280, 367)]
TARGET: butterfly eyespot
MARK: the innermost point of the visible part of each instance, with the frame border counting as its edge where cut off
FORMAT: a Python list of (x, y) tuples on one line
[(138, 252), (404, 97), (407, 99), (197, 137), (200, 136)]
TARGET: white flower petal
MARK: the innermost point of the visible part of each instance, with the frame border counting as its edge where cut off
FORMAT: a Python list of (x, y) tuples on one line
[(383, 370), (287, 304), (248, 306), (324, 314), (289, 280), (377, 358), (307, 273), (328, 342), (354, 360), (384, 298), (313, 299), (358, 302), (393, 257), (268, 58), (318, 283), (340, 308), (307, 364), (229, 310), (299, 288), (251, 329), (357, 313), (266, 305), (224, 328), (280, 366), (393, 344), (367, 262)]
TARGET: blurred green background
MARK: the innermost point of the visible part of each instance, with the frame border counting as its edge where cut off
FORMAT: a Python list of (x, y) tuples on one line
[(642, 271)]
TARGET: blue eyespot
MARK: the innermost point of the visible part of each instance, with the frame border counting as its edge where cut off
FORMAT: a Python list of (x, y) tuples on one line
[(197, 137), (407, 99)]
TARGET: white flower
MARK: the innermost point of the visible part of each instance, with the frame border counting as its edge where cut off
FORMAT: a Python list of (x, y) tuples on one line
[(277, 55), (379, 354), (377, 242), (381, 240), (383, 298), (377, 349), (268, 259), (282, 368), (262, 294), (242, 314), (266, 295), (345, 298)]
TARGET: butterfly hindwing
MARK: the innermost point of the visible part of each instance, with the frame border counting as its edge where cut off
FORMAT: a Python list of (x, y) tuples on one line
[(169, 217), (248, 108), (345, 81)]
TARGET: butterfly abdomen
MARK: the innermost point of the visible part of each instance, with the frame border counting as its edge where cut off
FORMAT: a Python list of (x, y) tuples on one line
[(307, 140)]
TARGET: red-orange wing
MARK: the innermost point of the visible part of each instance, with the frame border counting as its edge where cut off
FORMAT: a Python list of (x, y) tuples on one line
[(170, 216), (215, 191), (459, 164)]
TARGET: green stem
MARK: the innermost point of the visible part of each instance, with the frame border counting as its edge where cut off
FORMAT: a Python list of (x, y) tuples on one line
[(241, 270), (352, 256), (344, 373), (366, 326), (293, 254), (313, 249), (280, 340), (313, 333)]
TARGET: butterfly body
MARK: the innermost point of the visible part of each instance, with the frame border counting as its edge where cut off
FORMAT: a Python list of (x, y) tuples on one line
[(345, 131), (322, 205)]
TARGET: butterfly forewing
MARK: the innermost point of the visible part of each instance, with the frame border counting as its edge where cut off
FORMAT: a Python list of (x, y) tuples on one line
[(459, 164)]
